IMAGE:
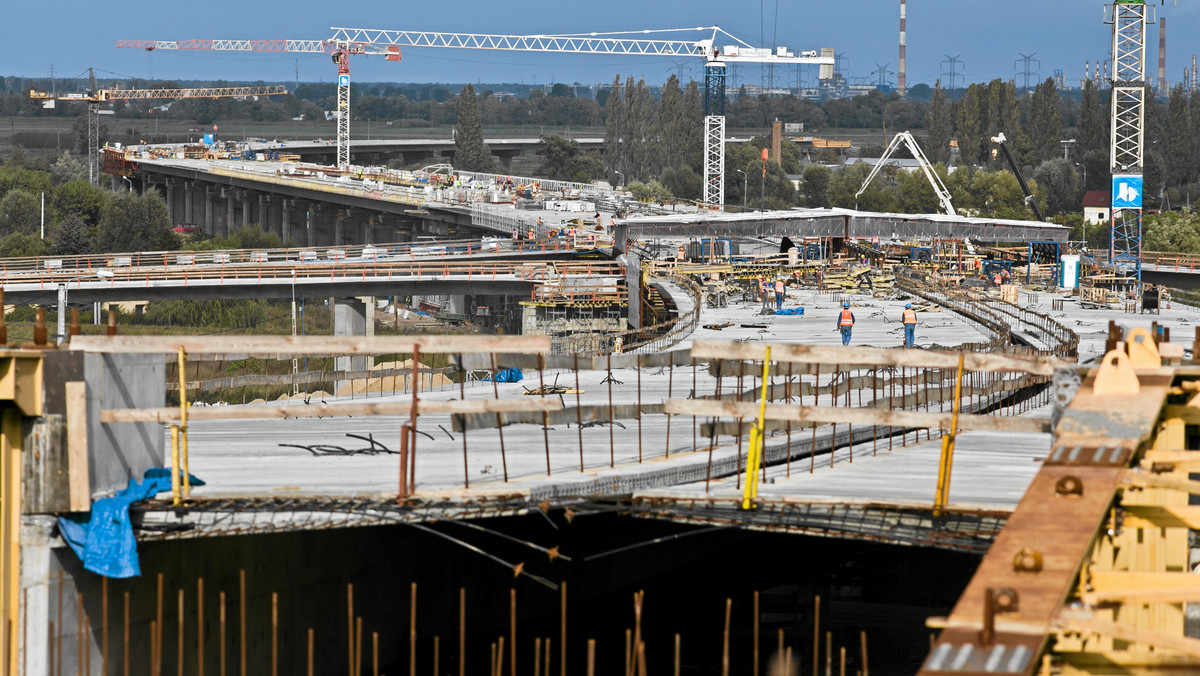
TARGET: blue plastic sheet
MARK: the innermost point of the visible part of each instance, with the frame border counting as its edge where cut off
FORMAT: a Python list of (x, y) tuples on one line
[(507, 376), (103, 538), (790, 311)]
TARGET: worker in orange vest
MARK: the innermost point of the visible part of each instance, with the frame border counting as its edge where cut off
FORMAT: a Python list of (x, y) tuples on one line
[(997, 280), (845, 322), (780, 290), (910, 325)]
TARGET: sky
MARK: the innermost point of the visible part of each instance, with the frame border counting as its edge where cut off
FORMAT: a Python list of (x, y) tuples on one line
[(987, 36)]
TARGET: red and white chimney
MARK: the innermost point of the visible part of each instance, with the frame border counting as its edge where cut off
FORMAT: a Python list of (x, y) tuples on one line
[(902, 82)]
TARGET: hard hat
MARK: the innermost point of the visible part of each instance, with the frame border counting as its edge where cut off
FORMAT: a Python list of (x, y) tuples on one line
[(845, 303), (908, 306)]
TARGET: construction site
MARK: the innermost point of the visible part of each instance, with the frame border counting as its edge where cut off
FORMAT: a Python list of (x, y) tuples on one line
[(553, 429)]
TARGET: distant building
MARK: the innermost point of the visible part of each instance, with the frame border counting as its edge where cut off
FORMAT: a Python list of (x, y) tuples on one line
[(1096, 206)]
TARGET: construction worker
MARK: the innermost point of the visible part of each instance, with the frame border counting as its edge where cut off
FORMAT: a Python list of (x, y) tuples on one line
[(996, 278), (845, 322), (910, 325), (780, 290)]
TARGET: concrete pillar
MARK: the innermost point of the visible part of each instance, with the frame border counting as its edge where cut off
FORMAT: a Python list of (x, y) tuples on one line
[(350, 319), (36, 534), (339, 221), (264, 204), (187, 203), (230, 201), (366, 232), (285, 221), (310, 226), (245, 209), (170, 185), (209, 227)]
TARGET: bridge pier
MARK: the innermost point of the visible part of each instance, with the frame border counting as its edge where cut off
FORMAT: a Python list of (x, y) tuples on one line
[(188, 214), (230, 200), (339, 220), (209, 226), (170, 188), (310, 229), (285, 221), (353, 317)]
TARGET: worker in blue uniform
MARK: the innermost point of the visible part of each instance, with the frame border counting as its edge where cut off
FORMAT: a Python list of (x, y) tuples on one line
[(845, 322)]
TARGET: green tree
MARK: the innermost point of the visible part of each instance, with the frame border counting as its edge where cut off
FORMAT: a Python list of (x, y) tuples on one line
[(70, 237), (133, 222), (1092, 135), (470, 152), (248, 237), (80, 198), (1171, 231), (68, 168), (614, 122), (1044, 121), (1178, 154), (564, 160), (682, 182), (814, 190), (1060, 185), (17, 245), (967, 125), (938, 126), (20, 212)]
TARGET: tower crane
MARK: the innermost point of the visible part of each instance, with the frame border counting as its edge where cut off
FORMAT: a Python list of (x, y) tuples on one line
[(339, 51), (94, 97), (619, 43)]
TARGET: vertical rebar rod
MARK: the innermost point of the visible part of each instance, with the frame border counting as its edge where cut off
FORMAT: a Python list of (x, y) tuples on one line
[(274, 634), (677, 655), (787, 395), (180, 656), (499, 420), (740, 386), (591, 657), (81, 638), (695, 440), (725, 640), (537, 657), (816, 633), (437, 655), (358, 646), (311, 651), (350, 623), (512, 631), (221, 630), (59, 622), (833, 395), (862, 635)]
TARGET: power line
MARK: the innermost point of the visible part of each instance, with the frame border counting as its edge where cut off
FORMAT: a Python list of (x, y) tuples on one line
[(1027, 60), (954, 62)]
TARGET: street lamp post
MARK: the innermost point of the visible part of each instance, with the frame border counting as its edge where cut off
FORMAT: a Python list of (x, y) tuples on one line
[(295, 362), (622, 177), (745, 184), (129, 182)]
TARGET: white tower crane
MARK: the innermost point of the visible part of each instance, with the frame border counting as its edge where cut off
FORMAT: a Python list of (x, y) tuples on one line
[(347, 41)]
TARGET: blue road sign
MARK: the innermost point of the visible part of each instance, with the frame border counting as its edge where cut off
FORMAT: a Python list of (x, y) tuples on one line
[(1126, 191), (344, 80)]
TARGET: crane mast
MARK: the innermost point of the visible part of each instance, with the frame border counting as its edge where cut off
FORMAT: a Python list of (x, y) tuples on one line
[(346, 41), (1128, 19)]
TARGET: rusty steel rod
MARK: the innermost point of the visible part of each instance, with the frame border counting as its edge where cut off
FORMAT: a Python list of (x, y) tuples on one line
[(611, 442), (200, 626), (816, 633), (242, 622), (537, 657), (754, 668), (350, 628), (125, 647), (562, 635), (591, 657), (221, 630), (500, 418), (412, 632), (578, 417), (545, 414), (639, 406), (725, 640), (512, 629), (274, 634), (462, 631), (182, 618), (311, 651)]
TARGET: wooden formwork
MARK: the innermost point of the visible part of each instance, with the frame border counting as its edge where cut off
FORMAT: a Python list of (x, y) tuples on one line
[(1091, 573)]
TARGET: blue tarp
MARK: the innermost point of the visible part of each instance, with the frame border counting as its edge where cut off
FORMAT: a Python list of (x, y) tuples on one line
[(507, 376), (103, 538), (790, 311)]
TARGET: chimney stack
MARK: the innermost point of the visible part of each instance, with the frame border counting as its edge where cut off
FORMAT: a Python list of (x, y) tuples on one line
[(902, 82)]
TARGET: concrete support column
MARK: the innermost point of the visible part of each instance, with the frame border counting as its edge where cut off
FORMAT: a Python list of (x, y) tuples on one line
[(339, 221), (36, 534), (230, 201), (310, 226), (187, 203), (245, 209), (350, 319), (208, 212), (171, 203), (366, 232), (285, 221), (264, 204), (633, 282)]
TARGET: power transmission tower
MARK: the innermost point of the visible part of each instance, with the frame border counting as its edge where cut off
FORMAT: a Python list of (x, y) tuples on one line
[(952, 71), (881, 74), (1027, 60)]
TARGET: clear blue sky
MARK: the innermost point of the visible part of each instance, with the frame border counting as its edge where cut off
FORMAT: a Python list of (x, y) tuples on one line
[(987, 34)]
